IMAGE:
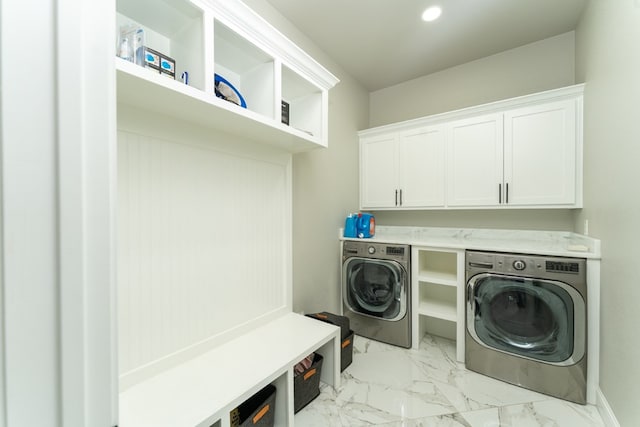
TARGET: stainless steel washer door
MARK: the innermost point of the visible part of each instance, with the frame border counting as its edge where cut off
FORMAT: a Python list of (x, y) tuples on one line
[(538, 319), (375, 288)]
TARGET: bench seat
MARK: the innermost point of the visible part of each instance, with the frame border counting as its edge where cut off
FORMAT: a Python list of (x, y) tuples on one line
[(203, 390)]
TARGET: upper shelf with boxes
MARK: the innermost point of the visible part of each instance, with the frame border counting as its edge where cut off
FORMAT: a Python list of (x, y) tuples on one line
[(220, 65)]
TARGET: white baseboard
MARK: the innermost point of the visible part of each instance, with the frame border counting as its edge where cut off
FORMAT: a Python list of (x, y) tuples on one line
[(608, 417)]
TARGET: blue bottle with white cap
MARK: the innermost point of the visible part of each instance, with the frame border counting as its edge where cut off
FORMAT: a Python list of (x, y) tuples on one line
[(350, 226)]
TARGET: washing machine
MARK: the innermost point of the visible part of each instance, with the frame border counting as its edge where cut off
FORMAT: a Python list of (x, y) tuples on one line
[(526, 321), (376, 290)]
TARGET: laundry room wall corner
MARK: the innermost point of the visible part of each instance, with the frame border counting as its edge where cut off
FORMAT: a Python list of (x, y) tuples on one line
[(325, 181), (325, 189), (606, 61)]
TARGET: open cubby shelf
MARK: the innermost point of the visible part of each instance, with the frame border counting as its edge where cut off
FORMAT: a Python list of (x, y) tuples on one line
[(228, 39), (438, 301), (438, 294)]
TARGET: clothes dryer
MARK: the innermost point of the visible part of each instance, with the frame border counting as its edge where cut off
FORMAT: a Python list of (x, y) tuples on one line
[(526, 321), (376, 291)]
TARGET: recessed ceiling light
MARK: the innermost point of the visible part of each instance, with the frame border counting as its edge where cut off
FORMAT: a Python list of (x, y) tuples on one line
[(431, 13)]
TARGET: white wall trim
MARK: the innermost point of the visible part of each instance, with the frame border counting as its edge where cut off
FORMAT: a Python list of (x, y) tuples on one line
[(71, 246), (85, 200), (85, 85), (593, 328), (608, 417), (3, 385), (288, 256), (29, 218), (242, 19)]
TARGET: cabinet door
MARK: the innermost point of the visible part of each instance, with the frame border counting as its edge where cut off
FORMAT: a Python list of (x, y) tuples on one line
[(421, 168), (475, 161), (540, 154), (378, 172)]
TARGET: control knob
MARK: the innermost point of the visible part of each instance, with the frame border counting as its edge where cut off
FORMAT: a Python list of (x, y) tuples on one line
[(372, 250), (519, 265)]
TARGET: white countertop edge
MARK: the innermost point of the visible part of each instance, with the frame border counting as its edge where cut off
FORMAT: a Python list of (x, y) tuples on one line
[(554, 243)]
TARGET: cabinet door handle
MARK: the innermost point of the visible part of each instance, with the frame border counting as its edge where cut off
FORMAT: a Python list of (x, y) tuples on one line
[(506, 196), (499, 193), (396, 197), (401, 197)]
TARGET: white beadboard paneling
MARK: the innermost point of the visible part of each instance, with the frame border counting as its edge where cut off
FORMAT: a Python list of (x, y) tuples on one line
[(203, 239)]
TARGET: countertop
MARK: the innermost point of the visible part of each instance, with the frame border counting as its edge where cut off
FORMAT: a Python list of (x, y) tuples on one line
[(557, 243)]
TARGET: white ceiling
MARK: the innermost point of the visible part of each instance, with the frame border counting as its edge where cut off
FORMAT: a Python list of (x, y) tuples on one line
[(384, 42)]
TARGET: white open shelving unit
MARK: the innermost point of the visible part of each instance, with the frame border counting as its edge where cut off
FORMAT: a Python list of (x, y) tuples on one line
[(198, 381), (438, 294), (226, 38)]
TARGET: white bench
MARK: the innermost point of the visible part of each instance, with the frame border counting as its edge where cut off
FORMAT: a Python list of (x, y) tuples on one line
[(201, 392)]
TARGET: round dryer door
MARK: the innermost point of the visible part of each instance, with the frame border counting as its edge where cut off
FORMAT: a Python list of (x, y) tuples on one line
[(533, 318), (375, 288)]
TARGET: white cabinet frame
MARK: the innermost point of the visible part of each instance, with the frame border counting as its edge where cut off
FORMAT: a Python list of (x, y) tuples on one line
[(475, 162), (524, 152), (540, 154), (437, 293), (403, 170), (226, 37)]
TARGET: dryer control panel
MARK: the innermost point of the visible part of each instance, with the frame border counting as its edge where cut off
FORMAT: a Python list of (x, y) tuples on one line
[(526, 265)]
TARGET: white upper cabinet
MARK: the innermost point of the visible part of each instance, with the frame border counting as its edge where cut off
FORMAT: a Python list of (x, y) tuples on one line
[(421, 168), (540, 154), (523, 152), (475, 161), (227, 39), (522, 157), (379, 172), (403, 170)]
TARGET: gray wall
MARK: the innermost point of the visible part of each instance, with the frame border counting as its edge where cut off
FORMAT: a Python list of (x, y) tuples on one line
[(325, 182), (325, 189), (539, 66), (535, 67), (607, 43)]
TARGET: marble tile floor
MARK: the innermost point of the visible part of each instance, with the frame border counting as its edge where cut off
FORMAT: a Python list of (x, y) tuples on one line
[(393, 387)]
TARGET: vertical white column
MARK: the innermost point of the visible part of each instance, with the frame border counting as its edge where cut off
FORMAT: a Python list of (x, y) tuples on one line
[(57, 133), (461, 305), (29, 213), (209, 51), (86, 202)]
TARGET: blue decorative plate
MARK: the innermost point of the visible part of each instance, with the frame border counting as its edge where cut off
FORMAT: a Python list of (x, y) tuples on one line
[(226, 91)]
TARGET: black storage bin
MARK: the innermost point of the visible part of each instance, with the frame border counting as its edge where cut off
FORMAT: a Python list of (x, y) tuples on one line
[(258, 410), (334, 319), (346, 335), (346, 353), (306, 385)]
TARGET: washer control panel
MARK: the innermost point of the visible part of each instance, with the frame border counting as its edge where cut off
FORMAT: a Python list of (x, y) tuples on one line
[(367, 249)]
